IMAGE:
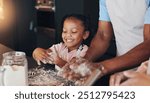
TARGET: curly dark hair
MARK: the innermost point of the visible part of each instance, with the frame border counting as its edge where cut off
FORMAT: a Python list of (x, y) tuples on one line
[(85, 21)]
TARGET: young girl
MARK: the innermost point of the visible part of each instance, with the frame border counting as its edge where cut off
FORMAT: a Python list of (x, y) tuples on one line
[(75, 29)]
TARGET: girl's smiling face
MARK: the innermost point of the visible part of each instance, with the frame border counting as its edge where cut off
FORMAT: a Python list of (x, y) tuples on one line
[(73, 33)]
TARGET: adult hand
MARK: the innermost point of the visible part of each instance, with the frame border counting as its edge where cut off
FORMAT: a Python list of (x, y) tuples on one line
[(75, 70), (143, 67), (82, 66), (116, 79), (136, 79), (130, 77), (81, 69)]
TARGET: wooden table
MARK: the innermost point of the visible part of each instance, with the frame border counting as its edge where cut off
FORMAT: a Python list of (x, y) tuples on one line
[(3, 49)]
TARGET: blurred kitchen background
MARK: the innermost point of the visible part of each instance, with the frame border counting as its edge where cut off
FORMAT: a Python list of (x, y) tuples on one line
[(27, 24)]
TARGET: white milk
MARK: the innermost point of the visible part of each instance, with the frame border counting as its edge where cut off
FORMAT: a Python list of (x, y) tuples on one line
[(15, 75)]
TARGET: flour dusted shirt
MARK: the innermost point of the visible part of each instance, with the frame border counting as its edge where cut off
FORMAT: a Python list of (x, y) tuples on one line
[(63, 52)]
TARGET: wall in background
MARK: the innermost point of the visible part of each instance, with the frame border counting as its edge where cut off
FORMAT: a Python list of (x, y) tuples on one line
[(7, 25), (25, 37), (17, 28)]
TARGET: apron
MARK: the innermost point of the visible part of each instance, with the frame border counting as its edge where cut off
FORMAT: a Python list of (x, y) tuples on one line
[(127, 18)]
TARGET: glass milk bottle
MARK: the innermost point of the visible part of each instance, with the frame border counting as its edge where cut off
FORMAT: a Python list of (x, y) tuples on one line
[(14, 69)]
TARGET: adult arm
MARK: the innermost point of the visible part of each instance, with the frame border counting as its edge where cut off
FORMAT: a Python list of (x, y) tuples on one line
[(132, 58), (101, 40), (136, 55)]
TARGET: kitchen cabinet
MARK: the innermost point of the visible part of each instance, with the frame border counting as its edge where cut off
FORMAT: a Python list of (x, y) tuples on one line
[(49, 18), (45, 16)]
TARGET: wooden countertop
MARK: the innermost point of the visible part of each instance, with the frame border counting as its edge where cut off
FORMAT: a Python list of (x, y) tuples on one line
[(3, 49)]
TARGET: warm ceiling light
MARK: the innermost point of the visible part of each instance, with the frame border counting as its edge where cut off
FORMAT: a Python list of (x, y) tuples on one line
[(1, 10)]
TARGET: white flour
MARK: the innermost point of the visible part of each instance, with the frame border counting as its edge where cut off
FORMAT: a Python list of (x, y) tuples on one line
[(42, 77), (15, 76)]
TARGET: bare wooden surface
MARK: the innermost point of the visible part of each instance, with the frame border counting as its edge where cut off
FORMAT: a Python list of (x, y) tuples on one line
[(3, 49)]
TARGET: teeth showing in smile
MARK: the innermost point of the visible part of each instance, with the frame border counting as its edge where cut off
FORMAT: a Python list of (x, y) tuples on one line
[(69, 40)]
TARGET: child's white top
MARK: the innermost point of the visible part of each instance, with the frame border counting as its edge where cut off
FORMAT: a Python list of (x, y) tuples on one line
[(62, 51)]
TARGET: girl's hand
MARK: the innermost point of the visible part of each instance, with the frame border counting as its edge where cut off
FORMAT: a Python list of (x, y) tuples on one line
[(40, 54), (55, 59)]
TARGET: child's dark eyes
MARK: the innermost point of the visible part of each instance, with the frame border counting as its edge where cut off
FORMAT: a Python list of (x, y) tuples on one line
[(64, 31), (74, 31), (71, 31)]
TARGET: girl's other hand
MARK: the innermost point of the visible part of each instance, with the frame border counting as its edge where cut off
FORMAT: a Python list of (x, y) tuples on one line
[(55, 59)]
